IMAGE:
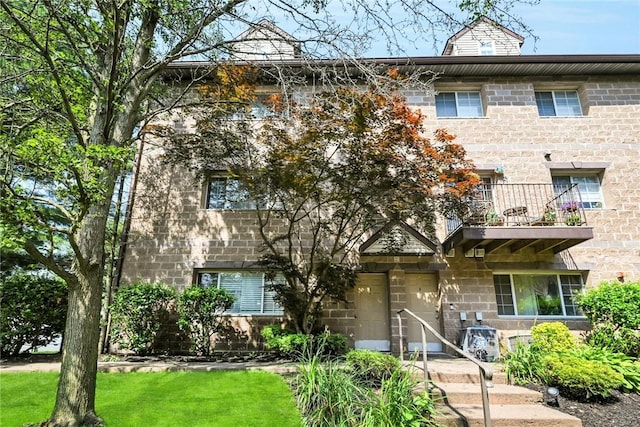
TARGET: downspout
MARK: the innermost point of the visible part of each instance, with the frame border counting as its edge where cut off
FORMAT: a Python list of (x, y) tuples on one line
[(124, 239)]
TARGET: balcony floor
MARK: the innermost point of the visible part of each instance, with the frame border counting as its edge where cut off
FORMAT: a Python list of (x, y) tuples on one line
[(518, 238)]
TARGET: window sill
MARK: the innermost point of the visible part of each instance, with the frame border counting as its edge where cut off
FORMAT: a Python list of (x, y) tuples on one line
[(252, 315), (461, 118), (540, 317)]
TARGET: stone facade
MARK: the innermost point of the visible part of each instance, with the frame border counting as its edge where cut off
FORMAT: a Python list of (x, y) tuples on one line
[(173, 235)]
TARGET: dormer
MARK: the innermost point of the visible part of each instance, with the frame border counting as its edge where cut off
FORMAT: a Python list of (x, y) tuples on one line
[(264, 41), (483, 37)]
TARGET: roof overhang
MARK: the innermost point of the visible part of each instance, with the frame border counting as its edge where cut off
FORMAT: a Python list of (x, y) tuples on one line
[(449, 66)]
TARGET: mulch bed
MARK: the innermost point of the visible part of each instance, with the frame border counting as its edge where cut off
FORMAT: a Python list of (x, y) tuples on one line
[(620, 410)]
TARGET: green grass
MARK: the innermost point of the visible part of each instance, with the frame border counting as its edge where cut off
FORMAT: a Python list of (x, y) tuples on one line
[(220, 398)]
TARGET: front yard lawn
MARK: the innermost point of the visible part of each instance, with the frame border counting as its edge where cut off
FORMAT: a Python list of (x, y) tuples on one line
[(219, 398)]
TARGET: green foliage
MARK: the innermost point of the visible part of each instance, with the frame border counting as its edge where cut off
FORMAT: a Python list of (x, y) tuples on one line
[(137, 314), (581, 379), (330, 395), (295, 345), (613, 311), (626, 366), (371, 367), (524, 365), (551, 337), (33, 309), (395, 404), (201, 311)]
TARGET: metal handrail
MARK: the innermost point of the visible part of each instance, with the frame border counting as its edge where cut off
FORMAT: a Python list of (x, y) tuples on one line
[(486, 373)]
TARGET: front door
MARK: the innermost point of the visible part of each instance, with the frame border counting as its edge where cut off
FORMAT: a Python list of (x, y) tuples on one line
[(422, 300), (372, 312)]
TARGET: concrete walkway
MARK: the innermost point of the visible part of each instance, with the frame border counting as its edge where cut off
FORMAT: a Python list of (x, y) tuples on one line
[(155, 366)]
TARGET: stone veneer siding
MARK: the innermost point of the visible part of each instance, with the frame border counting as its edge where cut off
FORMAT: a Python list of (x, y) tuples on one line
[(172, 235)]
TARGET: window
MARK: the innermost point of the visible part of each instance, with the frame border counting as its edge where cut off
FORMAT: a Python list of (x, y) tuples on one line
[(227, 193), (588, 186), (248, 288), (486, 48), (537, 294), (558, 103), (458, 104)]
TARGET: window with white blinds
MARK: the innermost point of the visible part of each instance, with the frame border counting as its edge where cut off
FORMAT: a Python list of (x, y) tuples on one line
[(248, 289)]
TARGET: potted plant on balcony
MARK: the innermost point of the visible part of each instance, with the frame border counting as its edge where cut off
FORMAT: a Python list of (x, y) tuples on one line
[(493, 218), (571, 214), (549, 217)]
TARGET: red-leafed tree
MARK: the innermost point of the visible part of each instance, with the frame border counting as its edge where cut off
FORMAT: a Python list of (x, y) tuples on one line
[(326, 172)]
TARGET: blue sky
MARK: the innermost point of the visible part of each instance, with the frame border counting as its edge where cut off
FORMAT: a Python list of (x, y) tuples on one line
[(563, 27), (583, 26)]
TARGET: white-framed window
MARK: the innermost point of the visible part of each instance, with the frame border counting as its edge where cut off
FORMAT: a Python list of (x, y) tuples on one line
[(486, 48), (558, 103), (248, 288), (537, 295), (459, 104), (588, 186), (226, 193)]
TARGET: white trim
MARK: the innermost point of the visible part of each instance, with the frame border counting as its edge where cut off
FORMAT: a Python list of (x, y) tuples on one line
[(432, 347), (376, 345)]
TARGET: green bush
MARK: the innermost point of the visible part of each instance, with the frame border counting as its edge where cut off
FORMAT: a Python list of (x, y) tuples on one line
[(201, 314), (292, 345), (371, 367), (329, 395), (138, 312), (524, 365), (613, 311), (581, 379), (395, 404), (626, 366), (326, 394), (551, 337), (33, 310)]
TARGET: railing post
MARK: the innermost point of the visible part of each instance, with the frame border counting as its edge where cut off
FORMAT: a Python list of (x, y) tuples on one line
[(425, 373), (400, 334), (485, 399)]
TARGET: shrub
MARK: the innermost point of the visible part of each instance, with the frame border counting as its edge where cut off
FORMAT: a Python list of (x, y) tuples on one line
[(371, 367), (613, 311), (524, 365), (626, 366), (394, 404), (292, 345), (200, 311), (327, 395), (33, 310), (581, 379), (137, 314), (552, 337)]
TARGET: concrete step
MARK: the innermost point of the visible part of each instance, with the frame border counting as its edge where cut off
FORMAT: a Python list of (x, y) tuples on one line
[(456, 391), (471, 415), (499, 394)]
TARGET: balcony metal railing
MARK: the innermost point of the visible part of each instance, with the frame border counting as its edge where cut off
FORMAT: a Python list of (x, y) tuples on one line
[(517, 205)]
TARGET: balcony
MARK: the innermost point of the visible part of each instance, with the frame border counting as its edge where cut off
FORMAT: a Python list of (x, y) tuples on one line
[(543, 217)]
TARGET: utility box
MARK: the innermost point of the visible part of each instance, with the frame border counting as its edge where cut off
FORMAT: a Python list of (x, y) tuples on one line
[(481, 342)]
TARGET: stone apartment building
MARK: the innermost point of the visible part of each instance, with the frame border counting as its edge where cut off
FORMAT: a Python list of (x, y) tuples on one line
[(556, 141)]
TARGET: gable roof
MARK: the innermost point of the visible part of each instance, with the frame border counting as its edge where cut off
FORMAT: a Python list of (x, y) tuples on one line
[(266, 25), (398, 238), (448, 47)]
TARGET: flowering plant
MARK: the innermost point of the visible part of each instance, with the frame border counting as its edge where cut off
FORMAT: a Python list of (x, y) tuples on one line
[(570, 207)]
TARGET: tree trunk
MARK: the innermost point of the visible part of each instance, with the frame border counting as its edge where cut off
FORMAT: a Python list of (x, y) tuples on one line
[(75, 399)]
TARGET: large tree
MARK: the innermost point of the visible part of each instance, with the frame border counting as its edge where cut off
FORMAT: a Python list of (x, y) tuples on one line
[(76, 81), (323, 173)]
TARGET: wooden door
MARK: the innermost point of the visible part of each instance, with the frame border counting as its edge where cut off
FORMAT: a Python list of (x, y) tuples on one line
[(372, 312), (422, 300)]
